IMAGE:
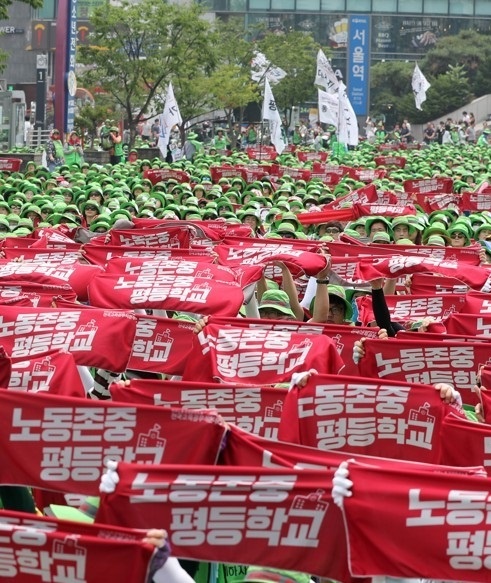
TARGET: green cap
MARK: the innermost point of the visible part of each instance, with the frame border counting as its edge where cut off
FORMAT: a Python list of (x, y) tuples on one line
[(276, 300)]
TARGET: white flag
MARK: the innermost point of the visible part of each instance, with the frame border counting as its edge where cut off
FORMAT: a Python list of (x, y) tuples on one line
[(272, 115), (261, 67), (168, 120), (348, 124), (328, 107), (325, 76), (420, 86)]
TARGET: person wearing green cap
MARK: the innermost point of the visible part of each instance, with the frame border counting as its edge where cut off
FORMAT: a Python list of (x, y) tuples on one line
[(105, 140), (377, 224), (275, 305), (116, 152)]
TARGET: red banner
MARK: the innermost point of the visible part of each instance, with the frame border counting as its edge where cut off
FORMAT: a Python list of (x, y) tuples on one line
[(477, 303), (161, 345), (242, 276), (424, 185), (101, 254), (438, 515), (299, 258), (465, 442), (65, 441), (423, 284), (273, 517), (164, 174), (253, 409), (475, 201), (366, 194), (55, 371), (475, 277), (412, 308), (344, 337), (397, 161), (427, 363), (237, 355), (177, 237), (183, 293), (99, 338), (469, 324), (77, 276), (35, 548), (378, 418), (43, 255)]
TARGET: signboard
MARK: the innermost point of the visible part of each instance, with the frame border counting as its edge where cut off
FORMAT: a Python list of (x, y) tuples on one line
[(359, 63)]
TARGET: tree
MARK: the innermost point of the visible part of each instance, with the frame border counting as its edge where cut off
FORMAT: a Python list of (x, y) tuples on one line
[(136, 49), (296, 53), (390, 82), (468, 49), (231, 84)]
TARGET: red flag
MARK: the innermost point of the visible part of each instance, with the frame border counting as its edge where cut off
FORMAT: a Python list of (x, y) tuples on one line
[(477, 303), (66, 441), (98, 338), (254, 409), (439, 515), (36, 548), (238, 355), (427, 363), (378, 418)]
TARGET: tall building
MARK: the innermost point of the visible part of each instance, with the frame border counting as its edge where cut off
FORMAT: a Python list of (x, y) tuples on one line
[(400, 29)]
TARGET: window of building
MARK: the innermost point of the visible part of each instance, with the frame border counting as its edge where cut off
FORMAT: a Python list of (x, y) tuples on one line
[(238, 5), (359, 6), (436, 7), (283, 4), (258, 4), (462, 7), (385, 6), (48, 11), (413, 7), (483, 8), (333, 5), (308, 4)]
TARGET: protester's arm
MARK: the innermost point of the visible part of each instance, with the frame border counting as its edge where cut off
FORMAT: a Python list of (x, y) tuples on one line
[(389, 286), (321, 298), (200, 324), (380, 309), (261, 287), (291, 290)]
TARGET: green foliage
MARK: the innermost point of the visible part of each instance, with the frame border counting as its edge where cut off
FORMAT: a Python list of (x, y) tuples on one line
[(136, 49), (296, 53), (231, 86), (90, 117), (469, 49)]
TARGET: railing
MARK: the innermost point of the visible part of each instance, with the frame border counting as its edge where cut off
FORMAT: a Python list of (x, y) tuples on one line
[(37, 137)]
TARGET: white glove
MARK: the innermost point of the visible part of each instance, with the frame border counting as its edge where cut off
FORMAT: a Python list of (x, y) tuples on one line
[(172, 572), (358, 351), (110, 479), (341, 485)]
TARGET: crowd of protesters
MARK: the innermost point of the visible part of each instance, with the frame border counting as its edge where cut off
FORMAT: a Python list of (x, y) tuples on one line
[(85, 201)]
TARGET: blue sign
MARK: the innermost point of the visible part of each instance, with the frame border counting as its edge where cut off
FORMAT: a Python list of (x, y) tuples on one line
[(70, 79), (358, 72)]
